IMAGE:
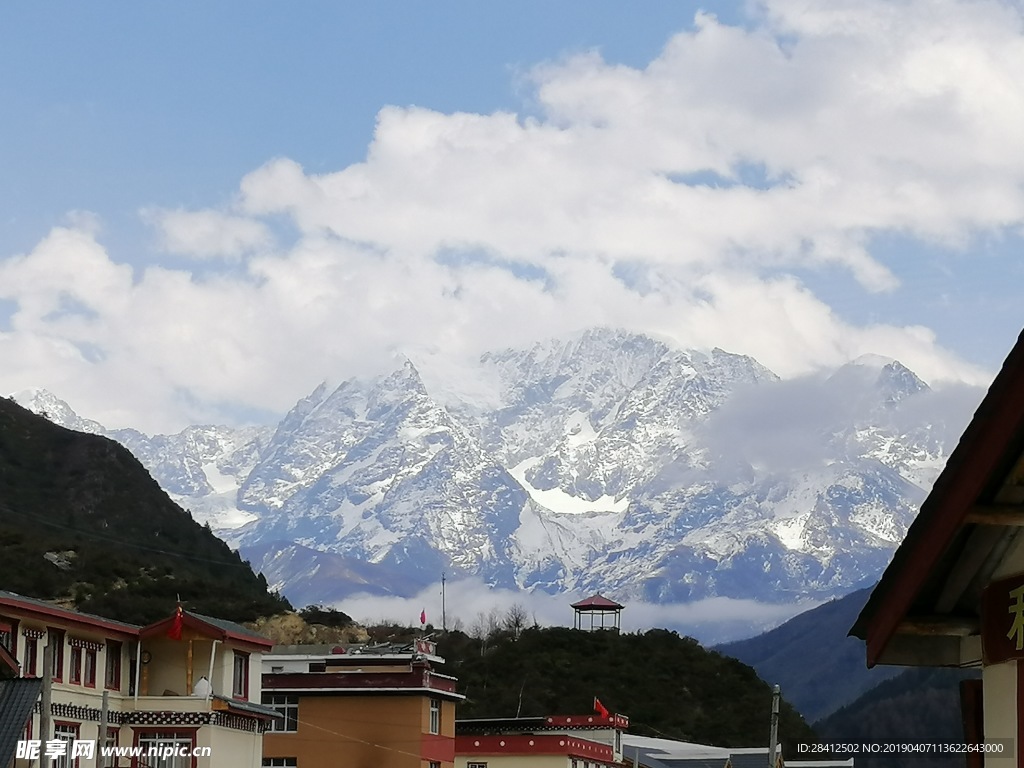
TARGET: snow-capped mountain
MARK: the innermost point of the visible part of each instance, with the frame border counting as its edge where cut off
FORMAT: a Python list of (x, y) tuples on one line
[(609, 461)]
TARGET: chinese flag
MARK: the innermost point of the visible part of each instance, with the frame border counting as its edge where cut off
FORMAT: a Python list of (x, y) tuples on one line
[(600, 708), (423, 617), (174, 631)]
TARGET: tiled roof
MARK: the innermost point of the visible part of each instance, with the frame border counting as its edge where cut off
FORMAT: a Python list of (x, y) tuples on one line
[(230, 627), (596, 601), (21, 601), (17, 699)]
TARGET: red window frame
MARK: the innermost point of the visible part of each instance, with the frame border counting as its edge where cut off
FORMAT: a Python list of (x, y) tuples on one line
[(55, 637), (89, 672), (30, 660), (112, 666), (240, 688), (75, 673)]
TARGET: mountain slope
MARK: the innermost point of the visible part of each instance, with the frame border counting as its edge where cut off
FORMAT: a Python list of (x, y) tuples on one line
[(668, 685), (818, 667), (81, 519)]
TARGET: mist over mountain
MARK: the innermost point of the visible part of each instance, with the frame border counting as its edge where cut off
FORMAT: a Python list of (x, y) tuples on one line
[(609, 461)]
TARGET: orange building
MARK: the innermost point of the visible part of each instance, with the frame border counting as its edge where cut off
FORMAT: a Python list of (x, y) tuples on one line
[(359, 707)]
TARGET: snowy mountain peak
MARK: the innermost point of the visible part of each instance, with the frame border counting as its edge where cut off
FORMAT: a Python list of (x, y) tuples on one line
[(606, 461), (45, 403)]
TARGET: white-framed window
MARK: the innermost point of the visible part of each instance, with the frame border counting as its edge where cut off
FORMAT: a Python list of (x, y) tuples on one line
[(280, 762), (435, 716), (240, 676), (65, 732), (288, 706), (158, 741), (478, 765)]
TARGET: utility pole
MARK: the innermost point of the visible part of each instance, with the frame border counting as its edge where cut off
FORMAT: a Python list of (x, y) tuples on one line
[(444, 618), (45, 707), (773, 739)]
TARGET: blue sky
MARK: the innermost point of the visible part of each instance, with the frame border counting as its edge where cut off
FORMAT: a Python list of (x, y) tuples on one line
[(208, 209)]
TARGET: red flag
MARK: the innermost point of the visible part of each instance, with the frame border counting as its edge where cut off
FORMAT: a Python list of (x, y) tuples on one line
[(174, 631), (423, 617), (600, 708)]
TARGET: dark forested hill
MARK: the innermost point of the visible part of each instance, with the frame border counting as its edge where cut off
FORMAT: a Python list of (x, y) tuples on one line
[(918, 705), (668, 685), (80, 518), (810, 656)]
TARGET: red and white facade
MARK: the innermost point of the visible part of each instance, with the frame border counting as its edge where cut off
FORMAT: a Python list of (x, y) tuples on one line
[(555, 741), (151, 681)]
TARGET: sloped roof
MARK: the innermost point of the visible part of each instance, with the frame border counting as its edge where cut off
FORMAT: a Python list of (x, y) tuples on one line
[(17, 700), (43, 608), (596, 601), (964, 527), (9, 666), (220, 629)]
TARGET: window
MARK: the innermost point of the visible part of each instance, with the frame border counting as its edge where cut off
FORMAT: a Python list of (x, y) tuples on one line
[(89, 673), (28, 664), (7, 635), (435, 716), (55, 639), (287, 706), (65, 732), (75, 675), (482, 765), (280, 762), (182, 742), (434, 764), (112, 672), (240, 678)]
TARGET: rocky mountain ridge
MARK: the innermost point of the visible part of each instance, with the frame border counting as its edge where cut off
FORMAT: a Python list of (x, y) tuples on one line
[(609, 461)]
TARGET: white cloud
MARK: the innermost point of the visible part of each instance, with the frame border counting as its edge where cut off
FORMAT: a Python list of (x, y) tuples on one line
[(470, 601), (673, 198), (208, 234)]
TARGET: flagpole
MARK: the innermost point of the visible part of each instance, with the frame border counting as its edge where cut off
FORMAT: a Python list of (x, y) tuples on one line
[(444, 621)]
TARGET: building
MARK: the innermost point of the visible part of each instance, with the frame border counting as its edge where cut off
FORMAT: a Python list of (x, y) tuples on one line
[(359, 706), (18, 696), (597, 612), (196, 694), (555, 741), (953, 594), (649, 752)]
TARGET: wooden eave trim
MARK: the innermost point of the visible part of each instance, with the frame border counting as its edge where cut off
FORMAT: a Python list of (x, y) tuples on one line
[(998, 419), (939, 625), (1010, 515)]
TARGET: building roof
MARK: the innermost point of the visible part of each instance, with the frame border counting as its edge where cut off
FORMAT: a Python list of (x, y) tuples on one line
[(596, 602), (242, 707), (651, 752), (9, 666), (219, 629), (45, 609), (929, 596), (542, 723), (17, 700)]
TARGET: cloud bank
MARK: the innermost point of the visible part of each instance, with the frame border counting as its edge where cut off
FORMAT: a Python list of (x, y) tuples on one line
[(682, 198)]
